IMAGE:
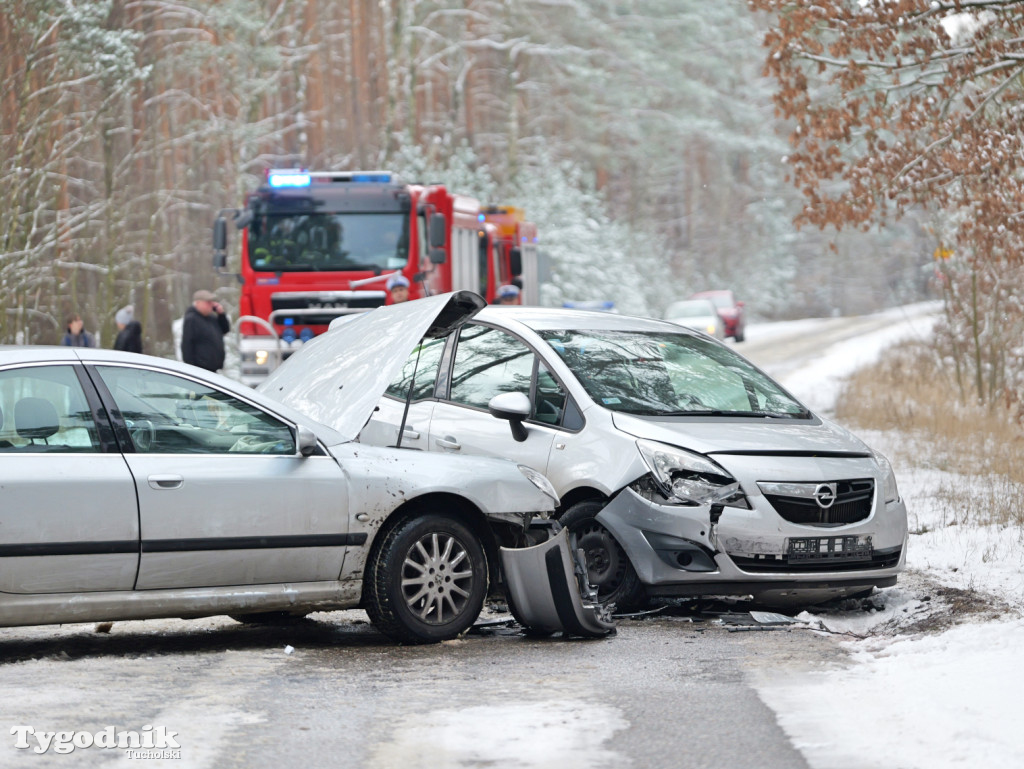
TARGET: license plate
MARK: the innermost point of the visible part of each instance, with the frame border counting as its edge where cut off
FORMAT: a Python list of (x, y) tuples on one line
[(829, 549)]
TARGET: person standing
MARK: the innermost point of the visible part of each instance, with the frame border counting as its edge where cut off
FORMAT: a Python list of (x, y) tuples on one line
[(507, 294), (203, 330), (75, 334), (129, 330), (398, 288)]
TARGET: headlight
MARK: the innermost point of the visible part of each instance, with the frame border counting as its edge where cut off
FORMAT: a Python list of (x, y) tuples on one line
[(540, 481), (889, 490), (687, 477)]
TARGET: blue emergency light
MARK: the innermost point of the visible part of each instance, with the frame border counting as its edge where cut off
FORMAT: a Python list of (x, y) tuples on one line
[(288, 179), (380, 178)]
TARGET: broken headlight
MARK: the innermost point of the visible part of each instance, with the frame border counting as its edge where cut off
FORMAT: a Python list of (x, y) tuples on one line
[(690, 479)]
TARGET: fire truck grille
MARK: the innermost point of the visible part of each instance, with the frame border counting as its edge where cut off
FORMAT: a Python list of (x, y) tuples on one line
[(318, 311)]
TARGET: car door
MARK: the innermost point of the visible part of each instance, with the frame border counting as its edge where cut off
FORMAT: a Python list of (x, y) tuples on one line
[(419, 374), (487, 362), (224, 496), (69, 521)]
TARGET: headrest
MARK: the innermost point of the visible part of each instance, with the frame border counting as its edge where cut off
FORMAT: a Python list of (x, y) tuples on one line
[(35, 418)]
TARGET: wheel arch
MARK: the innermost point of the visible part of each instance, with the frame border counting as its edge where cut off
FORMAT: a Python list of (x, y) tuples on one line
[(579, 494), (459, 508)]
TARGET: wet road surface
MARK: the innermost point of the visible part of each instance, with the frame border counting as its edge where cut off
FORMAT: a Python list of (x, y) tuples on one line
[(668, 690)]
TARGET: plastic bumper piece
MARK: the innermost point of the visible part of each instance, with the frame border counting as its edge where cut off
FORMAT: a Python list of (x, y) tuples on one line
[(547, 586)]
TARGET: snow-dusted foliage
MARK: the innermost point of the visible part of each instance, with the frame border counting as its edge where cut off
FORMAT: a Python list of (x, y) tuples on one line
[(638, 134), (981, 336)]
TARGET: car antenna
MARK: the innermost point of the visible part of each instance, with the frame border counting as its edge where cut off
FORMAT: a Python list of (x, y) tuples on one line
[(408, 397)]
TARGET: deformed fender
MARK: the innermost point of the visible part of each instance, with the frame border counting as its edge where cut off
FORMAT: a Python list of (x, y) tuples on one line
[(547, 585)]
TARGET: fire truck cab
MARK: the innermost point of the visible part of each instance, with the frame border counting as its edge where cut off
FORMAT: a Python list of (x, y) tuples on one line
[(317, 245)]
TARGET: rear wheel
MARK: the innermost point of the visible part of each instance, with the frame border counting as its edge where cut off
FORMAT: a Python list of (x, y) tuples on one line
[(427, 581), (608, 566)]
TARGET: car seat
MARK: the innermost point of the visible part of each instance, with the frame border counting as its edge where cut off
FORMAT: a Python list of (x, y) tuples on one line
[(35, 419), (4, 444)]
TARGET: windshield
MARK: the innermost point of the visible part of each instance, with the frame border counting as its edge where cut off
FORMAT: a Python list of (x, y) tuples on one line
[(668, 374), (324, 241)]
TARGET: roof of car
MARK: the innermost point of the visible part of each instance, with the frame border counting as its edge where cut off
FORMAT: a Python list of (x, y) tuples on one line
[(552, 318)]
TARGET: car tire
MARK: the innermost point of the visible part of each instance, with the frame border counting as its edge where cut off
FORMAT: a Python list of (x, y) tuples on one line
[(608, 566), (740, 335), (427, 581)]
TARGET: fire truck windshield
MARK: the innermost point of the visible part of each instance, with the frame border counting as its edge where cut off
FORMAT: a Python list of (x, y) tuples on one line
[(328, 241)]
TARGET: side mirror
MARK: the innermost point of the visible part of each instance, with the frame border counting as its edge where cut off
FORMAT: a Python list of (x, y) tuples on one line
[(438, 231), (515, 261), (438, 256), (220, 242), (515, 407), (306, 439)]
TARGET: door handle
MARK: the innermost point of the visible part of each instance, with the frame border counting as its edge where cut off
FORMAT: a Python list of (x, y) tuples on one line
[(449, 443), (411, 432), (159, 482)]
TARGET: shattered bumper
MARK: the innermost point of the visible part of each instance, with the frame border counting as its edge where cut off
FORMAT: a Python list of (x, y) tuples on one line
[(676, 551), (549, 592)]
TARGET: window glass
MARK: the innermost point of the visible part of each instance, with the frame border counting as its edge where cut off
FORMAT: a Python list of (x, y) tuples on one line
[(424, 363), (489, 362), (291, 242), (549, 405), (44, 409), (668, 374), (167, 414)]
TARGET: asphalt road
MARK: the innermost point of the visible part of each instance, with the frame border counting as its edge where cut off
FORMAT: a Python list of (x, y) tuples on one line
[(669, 690)]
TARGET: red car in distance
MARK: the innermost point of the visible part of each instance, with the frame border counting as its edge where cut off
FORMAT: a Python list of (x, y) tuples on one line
[(730, 310)]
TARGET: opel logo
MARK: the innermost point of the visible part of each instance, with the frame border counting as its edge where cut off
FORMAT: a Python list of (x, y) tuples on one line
[(825, 495)]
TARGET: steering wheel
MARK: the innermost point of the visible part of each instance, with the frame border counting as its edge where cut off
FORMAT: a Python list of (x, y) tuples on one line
[(143, 435)]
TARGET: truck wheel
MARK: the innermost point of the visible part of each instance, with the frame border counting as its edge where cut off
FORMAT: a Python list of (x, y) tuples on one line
[(608, 566), (427, 581)]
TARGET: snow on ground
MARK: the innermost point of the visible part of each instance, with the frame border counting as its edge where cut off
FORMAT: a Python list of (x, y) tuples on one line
[(947, 699)]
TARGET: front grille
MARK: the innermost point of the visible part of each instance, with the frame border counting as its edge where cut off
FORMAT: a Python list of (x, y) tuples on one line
[(880, 559), (852, 502), (320, 308)]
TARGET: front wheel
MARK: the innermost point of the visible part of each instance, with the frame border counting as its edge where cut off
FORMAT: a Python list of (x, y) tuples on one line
[(427, 581), (608, 566)]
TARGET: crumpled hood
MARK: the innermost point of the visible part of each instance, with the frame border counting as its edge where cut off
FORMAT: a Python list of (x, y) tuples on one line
[(751, 436), (339, 377)]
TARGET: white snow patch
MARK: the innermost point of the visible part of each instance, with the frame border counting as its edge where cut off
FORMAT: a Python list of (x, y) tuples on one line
[(945, 700)]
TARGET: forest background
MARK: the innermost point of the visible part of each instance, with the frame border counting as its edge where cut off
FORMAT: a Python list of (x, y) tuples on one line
[(656, 143)]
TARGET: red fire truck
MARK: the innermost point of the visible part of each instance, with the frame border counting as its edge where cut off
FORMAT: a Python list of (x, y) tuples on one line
[(514, 249), (316, 245)]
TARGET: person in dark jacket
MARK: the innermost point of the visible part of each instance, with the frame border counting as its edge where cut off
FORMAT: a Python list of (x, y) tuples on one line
[(203, 330), (75, 334), (129, 330)]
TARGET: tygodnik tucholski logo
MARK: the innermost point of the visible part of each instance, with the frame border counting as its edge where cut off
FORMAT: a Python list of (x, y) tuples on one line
[(148, 742)]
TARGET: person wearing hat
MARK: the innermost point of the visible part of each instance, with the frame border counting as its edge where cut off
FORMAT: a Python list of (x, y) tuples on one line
[(398, 287), (75, 334), (507, 294), (203, 330), (129, 330)]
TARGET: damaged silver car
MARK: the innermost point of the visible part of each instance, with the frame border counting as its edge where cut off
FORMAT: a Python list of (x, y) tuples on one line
[(133, 487), (682, 469)]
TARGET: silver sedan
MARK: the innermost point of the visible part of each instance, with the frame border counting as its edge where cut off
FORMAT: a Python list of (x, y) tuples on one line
[(133, 487)]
